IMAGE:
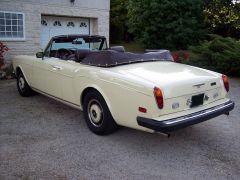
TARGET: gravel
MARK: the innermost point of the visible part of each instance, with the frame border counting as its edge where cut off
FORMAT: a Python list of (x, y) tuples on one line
[(44, 139)]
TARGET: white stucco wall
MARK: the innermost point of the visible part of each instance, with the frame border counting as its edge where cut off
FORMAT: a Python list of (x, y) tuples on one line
[(96, 10)]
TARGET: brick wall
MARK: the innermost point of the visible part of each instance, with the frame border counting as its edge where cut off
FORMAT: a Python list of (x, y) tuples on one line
[(96, 10)]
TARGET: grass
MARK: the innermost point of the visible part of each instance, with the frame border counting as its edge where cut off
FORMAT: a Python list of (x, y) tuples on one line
[(131, 47)]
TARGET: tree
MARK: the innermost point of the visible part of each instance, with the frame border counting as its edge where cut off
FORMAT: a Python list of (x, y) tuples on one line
[(170, 24), (222, 17), (118, 21)]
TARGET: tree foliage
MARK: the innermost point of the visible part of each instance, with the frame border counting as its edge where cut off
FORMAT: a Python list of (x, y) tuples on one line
[(170, 24), (118, 20), (219, 54), (223, 17)]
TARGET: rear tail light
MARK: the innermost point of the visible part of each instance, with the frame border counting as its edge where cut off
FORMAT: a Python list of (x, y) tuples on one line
[(159, 97), (225, 82)]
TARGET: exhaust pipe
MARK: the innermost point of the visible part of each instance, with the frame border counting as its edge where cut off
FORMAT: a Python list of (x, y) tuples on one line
[(163, 134)]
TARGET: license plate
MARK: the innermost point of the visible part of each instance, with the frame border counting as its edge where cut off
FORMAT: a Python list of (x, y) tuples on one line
[(197, 100)]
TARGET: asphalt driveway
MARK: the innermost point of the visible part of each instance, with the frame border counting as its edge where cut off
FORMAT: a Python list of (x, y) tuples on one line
[(43, 139)]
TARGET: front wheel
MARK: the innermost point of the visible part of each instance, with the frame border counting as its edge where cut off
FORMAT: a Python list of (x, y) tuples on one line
[(97, 115), (23, 87)]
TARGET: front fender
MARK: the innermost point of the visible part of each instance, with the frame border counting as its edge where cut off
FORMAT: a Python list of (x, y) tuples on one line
[(24, 74)]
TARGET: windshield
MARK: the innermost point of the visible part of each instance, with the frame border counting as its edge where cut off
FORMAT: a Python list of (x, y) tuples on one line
[(79, 43)]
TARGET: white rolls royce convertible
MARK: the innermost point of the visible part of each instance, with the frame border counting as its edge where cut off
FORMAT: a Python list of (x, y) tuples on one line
[(148, 91)]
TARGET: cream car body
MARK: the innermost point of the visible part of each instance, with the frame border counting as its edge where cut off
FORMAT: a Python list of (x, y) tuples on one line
[(126, 88)]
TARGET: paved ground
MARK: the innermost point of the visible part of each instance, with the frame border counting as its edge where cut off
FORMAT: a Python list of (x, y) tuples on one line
[(43, 139)]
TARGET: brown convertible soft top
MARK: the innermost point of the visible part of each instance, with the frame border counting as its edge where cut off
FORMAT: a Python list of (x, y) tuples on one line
[(110, 58)]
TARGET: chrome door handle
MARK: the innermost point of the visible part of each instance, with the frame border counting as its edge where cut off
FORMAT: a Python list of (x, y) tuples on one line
[(57, 68)]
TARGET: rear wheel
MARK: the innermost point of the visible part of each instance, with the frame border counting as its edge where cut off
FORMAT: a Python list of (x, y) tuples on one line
[(23, 87), (97, 115)]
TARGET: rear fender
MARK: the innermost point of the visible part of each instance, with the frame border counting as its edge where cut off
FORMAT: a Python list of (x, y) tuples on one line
[(103, 95)]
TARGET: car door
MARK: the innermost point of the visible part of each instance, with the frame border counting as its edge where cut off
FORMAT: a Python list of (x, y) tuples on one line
[(54, 77), (66, 79), (46, 76)]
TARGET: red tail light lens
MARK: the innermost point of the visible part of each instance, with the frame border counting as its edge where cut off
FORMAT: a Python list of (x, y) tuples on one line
[(225, 82), (159, 97)]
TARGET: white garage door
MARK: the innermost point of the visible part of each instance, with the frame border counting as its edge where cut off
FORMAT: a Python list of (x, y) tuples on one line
[(55, 26)]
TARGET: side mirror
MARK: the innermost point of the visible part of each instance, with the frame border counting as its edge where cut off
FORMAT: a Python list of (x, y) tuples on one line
[(39, 55)]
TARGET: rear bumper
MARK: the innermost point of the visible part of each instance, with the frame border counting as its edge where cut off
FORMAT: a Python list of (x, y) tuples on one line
[(184, 121)]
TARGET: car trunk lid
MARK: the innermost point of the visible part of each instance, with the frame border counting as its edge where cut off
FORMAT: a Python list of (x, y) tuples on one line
[(175, 79)]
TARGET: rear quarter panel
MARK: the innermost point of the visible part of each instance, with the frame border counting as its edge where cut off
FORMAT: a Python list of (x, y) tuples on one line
[(122, 96)]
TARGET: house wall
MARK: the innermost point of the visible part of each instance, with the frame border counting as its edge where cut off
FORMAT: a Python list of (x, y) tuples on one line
[(96, 10)]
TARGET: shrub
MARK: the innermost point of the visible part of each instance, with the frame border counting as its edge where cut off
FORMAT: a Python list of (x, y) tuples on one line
[(219, 54), (180, 56), (3, 49)]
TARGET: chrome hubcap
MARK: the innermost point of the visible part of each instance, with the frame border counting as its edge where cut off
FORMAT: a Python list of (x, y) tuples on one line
[(21, 83), (95, 113)]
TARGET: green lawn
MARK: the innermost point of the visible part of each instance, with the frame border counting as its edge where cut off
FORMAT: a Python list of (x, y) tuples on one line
[(131, 47)]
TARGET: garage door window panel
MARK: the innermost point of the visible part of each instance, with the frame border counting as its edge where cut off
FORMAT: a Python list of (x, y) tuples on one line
[(44, 23), (83, 24), (57, 23), (70, 24), (11, 26)]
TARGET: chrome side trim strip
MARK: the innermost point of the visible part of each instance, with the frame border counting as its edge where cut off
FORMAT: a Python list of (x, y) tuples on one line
[(56, 98)]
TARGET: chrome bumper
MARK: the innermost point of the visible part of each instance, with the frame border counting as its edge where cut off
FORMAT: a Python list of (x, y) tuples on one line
[(184, 121)]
